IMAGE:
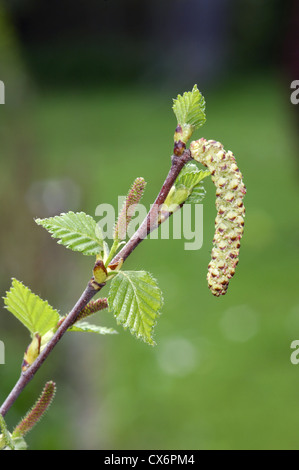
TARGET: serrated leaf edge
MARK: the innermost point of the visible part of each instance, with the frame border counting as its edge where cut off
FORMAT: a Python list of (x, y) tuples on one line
[(36, 297), (157, 312), (49, 227)]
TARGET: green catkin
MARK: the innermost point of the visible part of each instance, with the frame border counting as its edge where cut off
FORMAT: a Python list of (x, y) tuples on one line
[(38, 410), (93, 307), (229, 223), (125, 216)]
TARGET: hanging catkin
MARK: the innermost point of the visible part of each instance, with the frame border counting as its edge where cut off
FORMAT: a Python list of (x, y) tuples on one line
[(229, 223)]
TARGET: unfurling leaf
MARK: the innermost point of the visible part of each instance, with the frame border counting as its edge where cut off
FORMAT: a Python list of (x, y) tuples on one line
[(32, 352), (136, 301), (5, 436), (100, 272), (191, 178), (76, 231), (188, 187), (86, 327), (35, 314), (19, 443), (190, 113)]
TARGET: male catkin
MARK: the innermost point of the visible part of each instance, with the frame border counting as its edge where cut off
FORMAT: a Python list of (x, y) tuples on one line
[(229, 223)]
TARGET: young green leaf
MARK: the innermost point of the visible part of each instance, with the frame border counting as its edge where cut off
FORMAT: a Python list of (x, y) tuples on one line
[(8, 441), (191, 178), (190, 113), (35, 314), (187, 187), (76, 231), (191, 175), (136, 300), (32, 352), (190, 108), (197, 195), (5, 437), (19, 443), (88, 328)]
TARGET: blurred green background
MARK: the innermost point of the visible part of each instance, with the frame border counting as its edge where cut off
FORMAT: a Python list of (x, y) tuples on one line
[(88, 109)]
